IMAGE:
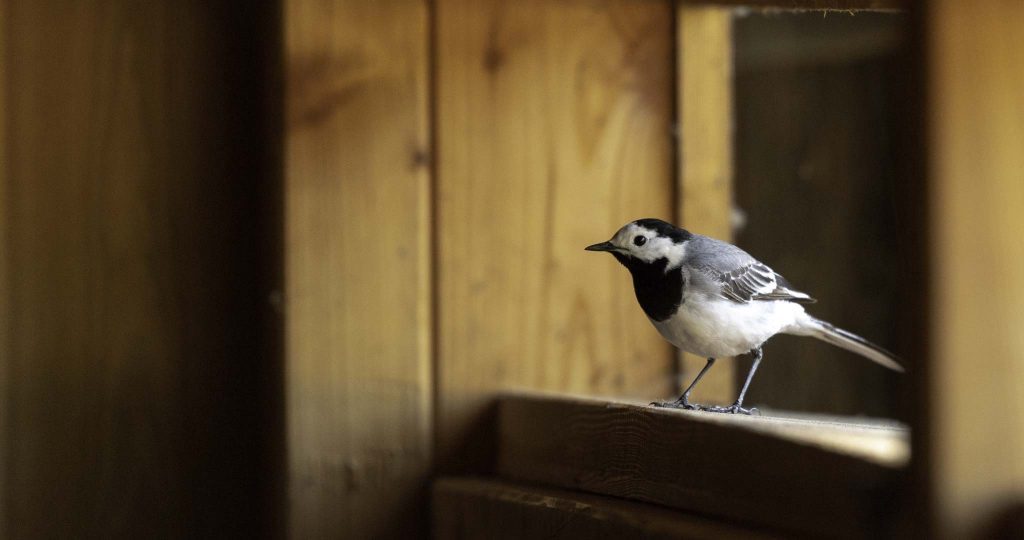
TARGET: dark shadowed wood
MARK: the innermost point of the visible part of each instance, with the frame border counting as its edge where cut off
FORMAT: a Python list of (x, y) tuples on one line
[(357, 296), (817, 179), (816, 476), (553, 131), (5, 262), (133, 272), (471, 508)]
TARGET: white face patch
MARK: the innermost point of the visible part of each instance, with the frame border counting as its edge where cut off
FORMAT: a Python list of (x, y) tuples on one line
[(654, 247)]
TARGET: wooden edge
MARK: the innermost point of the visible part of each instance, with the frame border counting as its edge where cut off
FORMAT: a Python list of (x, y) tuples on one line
[(814, 476), (5, 255), (807, 5), (468, 507), (881, 441)]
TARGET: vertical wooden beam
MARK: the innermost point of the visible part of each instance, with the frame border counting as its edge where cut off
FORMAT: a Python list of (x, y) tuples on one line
[(976, 165), (132, 286), (357, 228), (705, 124), (5, 258), (553, 131)]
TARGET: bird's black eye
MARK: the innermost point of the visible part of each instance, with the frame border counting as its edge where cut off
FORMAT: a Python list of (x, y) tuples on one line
[(639, 241)]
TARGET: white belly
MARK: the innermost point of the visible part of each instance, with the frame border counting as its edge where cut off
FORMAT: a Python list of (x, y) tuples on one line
[(716, 327)]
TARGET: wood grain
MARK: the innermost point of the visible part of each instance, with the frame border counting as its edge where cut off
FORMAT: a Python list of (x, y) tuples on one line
[(485, 508), (818, 477), (357, 226), (705, 111), (553, 131), (975, 115), (134, 162)]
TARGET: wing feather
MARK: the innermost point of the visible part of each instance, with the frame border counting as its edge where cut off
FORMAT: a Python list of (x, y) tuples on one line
[(749, 280), (755, 281)]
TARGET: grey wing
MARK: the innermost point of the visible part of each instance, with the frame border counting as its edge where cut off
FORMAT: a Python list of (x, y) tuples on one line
[(740, 277), (785, 291)]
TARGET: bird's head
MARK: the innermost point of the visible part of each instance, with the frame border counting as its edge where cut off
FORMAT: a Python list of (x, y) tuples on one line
[(646, 241)]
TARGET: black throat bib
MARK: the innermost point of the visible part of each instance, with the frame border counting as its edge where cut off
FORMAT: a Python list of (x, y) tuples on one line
[(660, 294)]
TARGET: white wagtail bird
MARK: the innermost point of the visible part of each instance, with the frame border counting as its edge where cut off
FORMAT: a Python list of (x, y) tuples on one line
[(712, 299)]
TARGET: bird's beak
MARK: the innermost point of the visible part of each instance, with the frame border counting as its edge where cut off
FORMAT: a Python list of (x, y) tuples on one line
[(603, 246)]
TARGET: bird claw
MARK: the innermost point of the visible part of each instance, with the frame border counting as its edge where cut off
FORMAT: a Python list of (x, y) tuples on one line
[(678, 405), (735, 408)]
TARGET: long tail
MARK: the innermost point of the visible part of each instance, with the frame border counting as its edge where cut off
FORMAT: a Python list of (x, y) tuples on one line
[(851, 342)]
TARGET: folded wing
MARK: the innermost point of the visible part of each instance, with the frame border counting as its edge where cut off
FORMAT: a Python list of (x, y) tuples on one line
[(756, 282)]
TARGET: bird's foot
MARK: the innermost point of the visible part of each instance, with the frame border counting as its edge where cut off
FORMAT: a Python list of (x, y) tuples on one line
[(735, 408), (679, 404)]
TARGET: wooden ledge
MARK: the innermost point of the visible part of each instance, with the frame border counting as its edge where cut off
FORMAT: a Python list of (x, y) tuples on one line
[(807, 5), (818, 476), (484, 508)]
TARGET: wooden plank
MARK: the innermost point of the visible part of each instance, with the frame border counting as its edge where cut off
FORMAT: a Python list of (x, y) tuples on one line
[(358, 327), (553, 131), (705, 119), (486, 508), (849, 6), (357, 224), (975, 444), (132, 171), (818, 477)]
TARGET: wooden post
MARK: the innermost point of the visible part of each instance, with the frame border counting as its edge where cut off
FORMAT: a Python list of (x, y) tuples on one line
[(975, 119), (6, 349), (705, 123), (133, 275), (357, 267)]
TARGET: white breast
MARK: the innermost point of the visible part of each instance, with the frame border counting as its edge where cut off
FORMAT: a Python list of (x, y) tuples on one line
[(713, 327)]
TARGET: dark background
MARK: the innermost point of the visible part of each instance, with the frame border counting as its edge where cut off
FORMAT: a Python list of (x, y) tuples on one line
[(817, 180)]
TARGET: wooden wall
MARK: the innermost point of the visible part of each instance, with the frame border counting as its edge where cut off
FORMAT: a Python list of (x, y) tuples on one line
[(444, 169), (137, 345), (408, 211), (412, 223)]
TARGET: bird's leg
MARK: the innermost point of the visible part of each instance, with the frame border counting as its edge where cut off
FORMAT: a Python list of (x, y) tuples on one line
[(758, 354), (683, 401), (738, 406)]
